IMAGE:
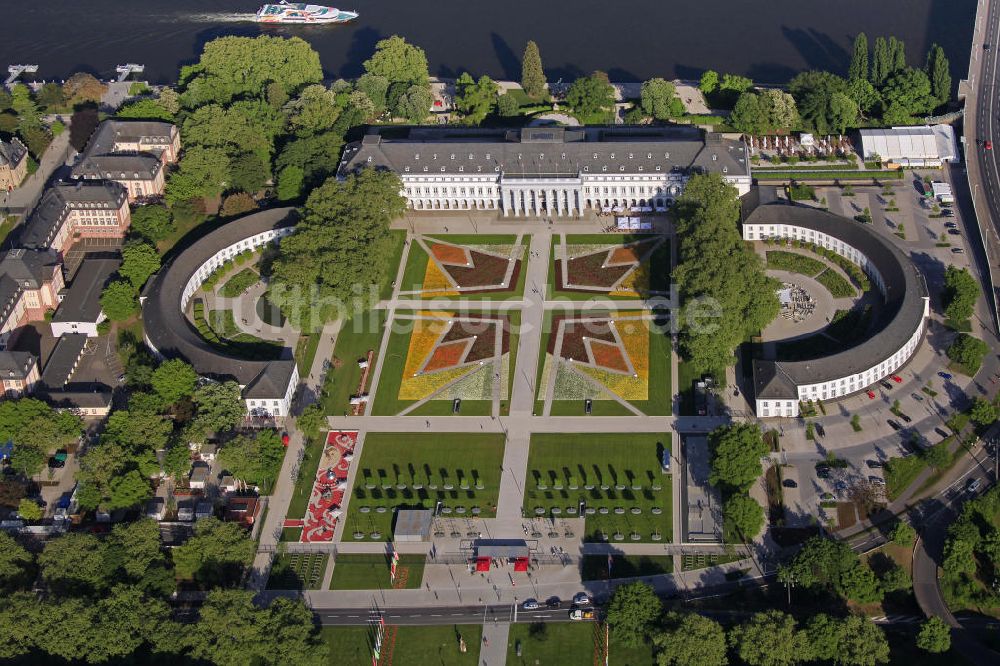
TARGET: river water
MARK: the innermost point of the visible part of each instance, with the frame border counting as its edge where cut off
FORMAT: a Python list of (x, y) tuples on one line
[(768, 40)]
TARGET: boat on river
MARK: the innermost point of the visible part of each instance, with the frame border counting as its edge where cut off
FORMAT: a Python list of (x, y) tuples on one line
[(302, 13)]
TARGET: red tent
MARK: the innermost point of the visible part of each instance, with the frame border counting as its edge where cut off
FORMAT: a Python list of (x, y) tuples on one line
[(482, 564), (521, 564)]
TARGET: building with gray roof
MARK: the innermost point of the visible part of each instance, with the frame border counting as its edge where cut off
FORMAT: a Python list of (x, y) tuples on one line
[(80, 310), (780, 385), (18, 373), (547, 170), (131, 153), (63, 361), (134, 136), (68, 211), (267, 386), (13, 163)]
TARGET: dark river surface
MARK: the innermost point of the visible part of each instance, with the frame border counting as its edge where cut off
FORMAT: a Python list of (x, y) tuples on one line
[(768, 40)]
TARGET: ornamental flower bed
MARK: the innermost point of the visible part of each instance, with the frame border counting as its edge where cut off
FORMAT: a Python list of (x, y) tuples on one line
[(485, 271), (436, 283), (450, 254), (608, 356), (447, 355)]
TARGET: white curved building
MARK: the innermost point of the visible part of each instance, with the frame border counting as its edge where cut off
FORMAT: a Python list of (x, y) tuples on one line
[(781, 385)]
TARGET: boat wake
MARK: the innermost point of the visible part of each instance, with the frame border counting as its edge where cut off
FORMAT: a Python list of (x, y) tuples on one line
[(220, 17)]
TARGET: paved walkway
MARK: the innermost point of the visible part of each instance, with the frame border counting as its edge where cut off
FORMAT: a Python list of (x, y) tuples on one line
[(23, 199), (494, 649)]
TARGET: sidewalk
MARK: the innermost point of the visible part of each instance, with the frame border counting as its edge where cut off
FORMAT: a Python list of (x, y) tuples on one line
[(494, 649)]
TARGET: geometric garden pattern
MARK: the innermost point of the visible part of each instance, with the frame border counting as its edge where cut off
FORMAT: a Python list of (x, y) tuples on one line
[(454, 269), (613, 269)]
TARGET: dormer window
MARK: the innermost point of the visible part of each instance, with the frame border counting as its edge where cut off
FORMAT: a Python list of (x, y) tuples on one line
[(487, 156), (595, 156), (586, 168), (604, 168), (417, 156), (407, 169), (666, 155), (541, 156), (640, 168), (649, 156), (453, 156), (425, 169), (657, 167), (470, 156), (725, 169), (369, 159), (715, 158), (621, 168), (612, 156), (630, 155), (442, 169), (461, 169)]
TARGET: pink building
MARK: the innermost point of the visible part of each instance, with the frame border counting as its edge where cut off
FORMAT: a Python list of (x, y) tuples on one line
[(70, 212)]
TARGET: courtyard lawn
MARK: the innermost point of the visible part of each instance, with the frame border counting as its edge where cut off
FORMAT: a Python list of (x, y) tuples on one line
[(611, 473), (356, 337), (435, 645), (297, 571), (686, 376), (418, 470), (398, 241), (239, 283), (595, 567), (416, 268), (371, 572), (558, 643)]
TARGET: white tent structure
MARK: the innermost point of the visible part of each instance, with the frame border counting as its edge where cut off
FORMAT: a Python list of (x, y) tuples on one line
[(918, 146)]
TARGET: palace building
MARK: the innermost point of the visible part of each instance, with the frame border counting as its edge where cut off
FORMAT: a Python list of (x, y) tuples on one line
[(551, 171)]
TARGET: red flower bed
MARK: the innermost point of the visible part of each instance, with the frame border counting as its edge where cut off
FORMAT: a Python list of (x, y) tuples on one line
[(449, 254), (486, 271), (608, 356), (574, 333), (588, 271), (446, 356)]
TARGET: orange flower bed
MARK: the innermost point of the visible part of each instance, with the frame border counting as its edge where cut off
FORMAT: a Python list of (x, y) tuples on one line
[(608, 356), (450, 254), (446, 356), (625, 255)]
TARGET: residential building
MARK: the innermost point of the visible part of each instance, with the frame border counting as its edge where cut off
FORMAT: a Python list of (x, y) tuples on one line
[(19, 371), (13, 164), (131, 153), (60, 387), (136, 136), (140, 175), (548, 171), (30, 282), (69, 212)]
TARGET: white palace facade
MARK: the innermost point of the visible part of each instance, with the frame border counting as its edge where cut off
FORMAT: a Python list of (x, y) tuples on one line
[(547, 171)]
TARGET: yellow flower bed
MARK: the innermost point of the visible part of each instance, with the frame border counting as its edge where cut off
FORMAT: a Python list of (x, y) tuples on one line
[(635, 340), (421, 386), (426, 333), (436, 283), (635, 283)]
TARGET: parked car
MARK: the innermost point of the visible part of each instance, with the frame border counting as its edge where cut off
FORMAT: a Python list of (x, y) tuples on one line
[(529, 604), (954, 232), (944, 375), (789, 483), (905, 418), (874, 464), (823, 472), (581, 614), (871, 394), (917, 397), (581, 599), (973, 485), (957, 250), (877, 480), (894, 424), (950, 225), (886, 385), (553, 602)]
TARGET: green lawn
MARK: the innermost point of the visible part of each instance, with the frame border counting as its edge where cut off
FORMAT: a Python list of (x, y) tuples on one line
[(305, 352), (702, 560), (371, 572), (297, 571), (312, 452), (686, 375), (398, 240), (900, 473), (836, 284), (548, 644), (610, 471), (416, 268), (6, 225), (793, 262), (356, 337), (431, 467), (436, 645), (595, 567)]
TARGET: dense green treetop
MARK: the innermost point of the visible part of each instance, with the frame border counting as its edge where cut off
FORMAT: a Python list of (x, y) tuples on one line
[(632, 612), (36, 430), (153, 222), (216, 554), (764, 112), (824, 101), (735, 452), (256, 459), (770, 638), (173, 380), (475, 99), (742, 518), (232, 67), (690, 638), (220, 406), (15, 562), (658, 99), (968, 351), (399, 61), (859, 59), (939, 72), (139, 261), (961, 291), (910, 90), (591, 95), (314, 110), (145, 109), (202, 172), (935, 636), (532, 75)]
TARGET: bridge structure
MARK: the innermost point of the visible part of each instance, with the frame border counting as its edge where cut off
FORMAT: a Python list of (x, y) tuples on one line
[(128, 69), (15, 72)]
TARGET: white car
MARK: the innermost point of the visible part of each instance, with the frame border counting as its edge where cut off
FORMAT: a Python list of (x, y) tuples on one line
[(581, 614), (581, 599), (530, 604), (974, 485)]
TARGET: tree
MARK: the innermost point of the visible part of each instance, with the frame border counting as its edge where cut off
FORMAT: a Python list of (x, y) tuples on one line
[(415, 104), (119, 300), (341, 250), (318, 156), (859, 583), (314, 110), (632, 611), (398, 61), (983, 412), (960, 294), (895, 579), (290, 183), (658, 98), (15, 563), (145, 109), (939, 72), (903, 534), (153, 222), (36, 430), (246, 126), (36, 138), (742, 518), (910, 90), (690, 638), (201, 172), (256, 459), (864, 95), (721, 280), (475, 99), (822, 101), (50, 96), (75, 563), (248, 172), (934, 636), (709, 82), (897, 56), (764, 112), (375, 86), (173, 380), (29, 510), (859, 59), (532, 75), (220, 406), (233, 67), (824, 632), (128, 491), (139, 261), (135, 549), (82, 87), (591, 95), (769, 638), (734, 455), (821, 562), (731, 87), (216, 554), (968, 352), (861, 643), (237, 204), (170, 100)]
